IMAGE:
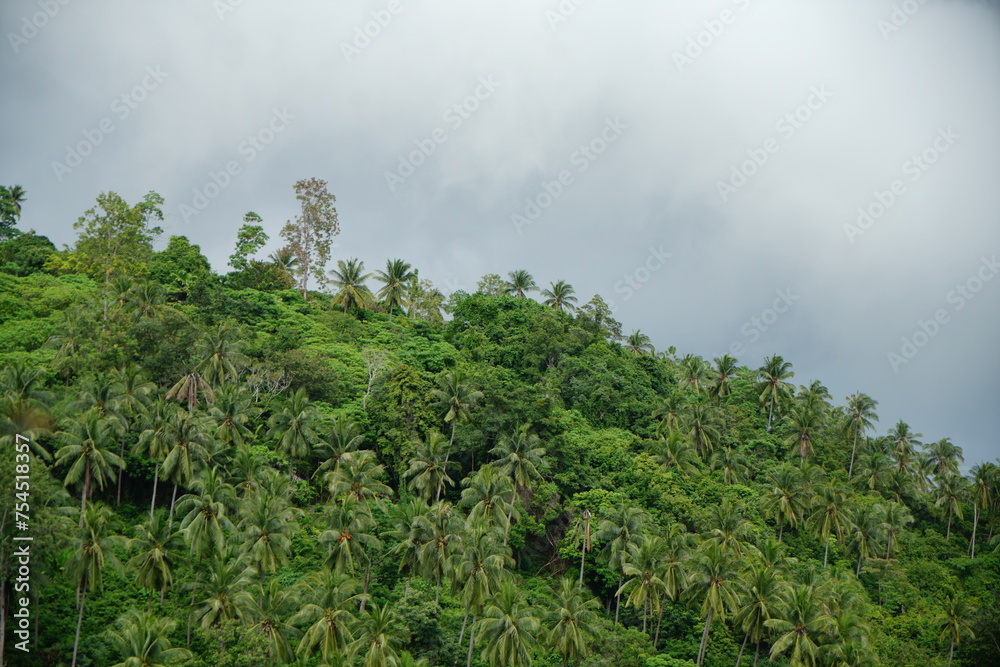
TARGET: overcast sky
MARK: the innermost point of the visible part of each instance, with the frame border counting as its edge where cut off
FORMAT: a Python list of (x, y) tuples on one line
[(809, 179)]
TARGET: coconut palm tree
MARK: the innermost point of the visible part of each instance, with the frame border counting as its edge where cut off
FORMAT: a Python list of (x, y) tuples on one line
[(231, 413), (158, 552), (489, 495), (92, 549), (359, 478), (677, 454), (478, 566), (521, 458), (16, 195), (951, 492), (222, 591), (721, 377), (703, 424), (730, 529), (205, 512), (143, 640), (560, 296), (618, 529), (865, 532), (187, 389), (349, 279), (295, 428), (266, 528), (454, 397), (802, 624), (694, 373), (785, 499), (428, 471), (713, 579), (904, 444), (188, 441), (639, 343), (87, 455), (520, 283), (760, 592), (394, 279), (220, 351), (773, 387), (642, 567), (410, 531), (508, 629), (153, 441), (804, 420), (441, 534), (573, 618), (349, 535), (830, 515), (343, 442), (955, 623), (271, 613), (875, 471), (945, 456), (985, 480), (328, 598), (860, 417), (378, 636), (733, 464), (894, 520)]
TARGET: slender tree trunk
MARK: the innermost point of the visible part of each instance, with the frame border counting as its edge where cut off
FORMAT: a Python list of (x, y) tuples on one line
[(82, 594), (659, 622), (645, 610), (948, 535), (368, 581), (290, 460), (583, 556), (156, 478), (618, 598), (756, 654), (857, 570), (704, 639), (86, 491), (173, 498), (739, 658), (472, 637), (850, 469), (951, 652), (826, 552), (975, 524)]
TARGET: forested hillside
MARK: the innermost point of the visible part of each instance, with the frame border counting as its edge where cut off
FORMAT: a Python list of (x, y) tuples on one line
[(307, 461)]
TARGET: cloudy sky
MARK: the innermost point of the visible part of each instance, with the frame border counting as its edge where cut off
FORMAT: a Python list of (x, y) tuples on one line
[(818, 180)]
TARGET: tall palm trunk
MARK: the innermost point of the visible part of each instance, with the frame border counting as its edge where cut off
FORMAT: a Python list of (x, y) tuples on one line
[(156, 478), (618, 597), (472, 637), (583, 556), (81, 594), (121, 455), (975, 523), (948, 534), (756, 654), (173, 498), (659, 622), (850, 469), (739, 658), (704, 639), (951, 652), (86, 491)]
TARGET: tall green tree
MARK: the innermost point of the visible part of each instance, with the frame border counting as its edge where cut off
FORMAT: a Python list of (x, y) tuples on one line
[(619, 528), (394, 279), (519, 283), (560, 295), (773, 388), (310, 235), (860, 417), (573, 619), (955, 623), (249, 240), (295, 428), (87, 454), (802, 625), (143, 640), (349, 280), (508, 629), (714, 577)]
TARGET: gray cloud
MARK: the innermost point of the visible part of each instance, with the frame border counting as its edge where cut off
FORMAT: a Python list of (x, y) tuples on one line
[(687, 125)]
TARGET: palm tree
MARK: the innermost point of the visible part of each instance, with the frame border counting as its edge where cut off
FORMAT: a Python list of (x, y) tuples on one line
[(410, 531), (669, 412), (985, 479), (294, 427), (158, 553), (802, 624), (785, 499), (951, 491), (86, 454), (945, 456), (618, 529), (454, 397), (428, 471), (694, 373), (714, 575), (805, 420), (730, 529), (830, 515), (394, 280), (231, 413), (377, 637), (349, 278), (16, 194), (773, 387), (573, 618), (956, 622), (92, 550), (904, 444), (344, 442), (205, 512), (677, 454), (733, 465), (860, 417), (220, 351), (865, 532), (188, 441), (703, 424), (642, 566), (508, 628), (895, 518), (350, 535), (489, 495), (721, 375), (560, 296), (222, 587), (520, 283), (328, 599), (760, 593), (154, 441), (440, 529), (478, 566), (143, 640), (187, 389), (275, 601), (359, 478), (521, 458), (639, 343), (582, 532), (266, 528)]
